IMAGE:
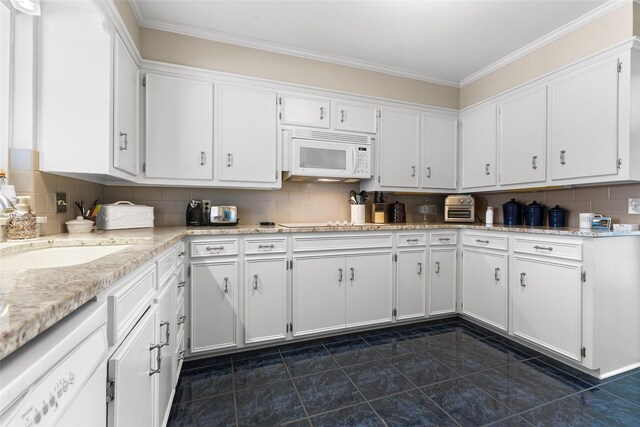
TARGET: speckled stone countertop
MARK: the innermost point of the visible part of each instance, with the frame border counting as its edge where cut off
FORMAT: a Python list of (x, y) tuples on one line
[(33, 300)]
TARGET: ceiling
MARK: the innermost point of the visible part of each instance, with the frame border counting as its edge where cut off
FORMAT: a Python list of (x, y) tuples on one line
[(444, 41)]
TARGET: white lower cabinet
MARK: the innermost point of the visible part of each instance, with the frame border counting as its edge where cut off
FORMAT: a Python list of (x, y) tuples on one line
[(318, 293), (442, 280), (265, 299), (214, 303), (369, 288), (164, 320), (132, 369), (547, 299), (485, 286), (410, 283)]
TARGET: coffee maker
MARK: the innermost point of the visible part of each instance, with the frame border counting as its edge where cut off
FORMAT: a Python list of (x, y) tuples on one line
[(194, 213)]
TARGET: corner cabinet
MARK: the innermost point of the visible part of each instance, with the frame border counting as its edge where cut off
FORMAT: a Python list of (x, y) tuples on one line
[(246, 132), (439, 141), (479, 145), (179, 128)]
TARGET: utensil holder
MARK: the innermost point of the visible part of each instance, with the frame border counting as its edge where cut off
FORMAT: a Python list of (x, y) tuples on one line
[(357, 214)]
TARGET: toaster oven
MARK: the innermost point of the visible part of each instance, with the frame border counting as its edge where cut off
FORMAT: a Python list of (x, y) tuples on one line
[(459, 209)]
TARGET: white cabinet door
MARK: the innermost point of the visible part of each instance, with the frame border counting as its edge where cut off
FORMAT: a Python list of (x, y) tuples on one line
[(411, 271), (523, 137), (164, 320), (548, 305), (179, 128), (126, 144), (369, 283), (214, 293), (485, 286), (442, 280), (301, 110), (439, 147), (265, 299), (246, 131), (584, 121), (131, 368), (479, 148), (355, 117), (318, 293), (399, 148)]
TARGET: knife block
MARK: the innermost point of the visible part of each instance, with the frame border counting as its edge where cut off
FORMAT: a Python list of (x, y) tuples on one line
[(378, 213)]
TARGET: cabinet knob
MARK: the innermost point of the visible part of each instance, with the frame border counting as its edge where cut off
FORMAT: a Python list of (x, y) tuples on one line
[(124, 141), (419, 268), (495, 274), (229, 159), (203, 158), (353, 274), (413, 171), (226, 285), (339, 275), (563, 157), (534, 162), (486, 169), (522, 276), (255, 281), (341, 116), (321, 113), (428, 171), (437, 267), (167, 332), (158, 349)]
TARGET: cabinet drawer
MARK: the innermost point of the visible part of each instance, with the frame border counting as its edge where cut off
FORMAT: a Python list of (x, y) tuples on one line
[(265, 246), (206, 248), (342, 241), (412, 239), (567, 250), (486, 241), (166, 265), (181, 251), (443, 239), (126, 304)]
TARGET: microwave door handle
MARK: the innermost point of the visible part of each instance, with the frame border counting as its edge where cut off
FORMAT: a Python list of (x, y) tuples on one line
[(353, 160)]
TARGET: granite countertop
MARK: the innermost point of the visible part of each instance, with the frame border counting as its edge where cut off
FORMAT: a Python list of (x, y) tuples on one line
[(33, 300)]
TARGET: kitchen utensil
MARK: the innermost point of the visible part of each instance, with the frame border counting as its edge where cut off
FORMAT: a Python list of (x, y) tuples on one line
[(534, 214), (353, 199), (586, 219), (194, 213), (512, 212), (363, 197), (79, 225), (397, 213), (377, 213), (557, 216)]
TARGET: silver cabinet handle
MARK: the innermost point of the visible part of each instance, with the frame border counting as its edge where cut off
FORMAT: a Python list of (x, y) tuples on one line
[(486, 169), (444, 239), (495, 274), (413, 171), (181, 319), (563, 157), (543, 248), (522, 276), (437, 267), (229, 159), (226, 285), (339, 275), (412, 240), (214, 248), (203, 158), (181, 357), (341, 116), (125, 141), (181, 283), (534, 162), (482, 241), (183, 253), (321, 113), (419, 268), (255, 281), (158, 348), (167, 333), (353, 273), (271, 246), (428, 171)]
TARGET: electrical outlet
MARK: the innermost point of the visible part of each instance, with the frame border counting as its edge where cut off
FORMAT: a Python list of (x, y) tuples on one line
[(206, 202), (61, 202), (634, 206)]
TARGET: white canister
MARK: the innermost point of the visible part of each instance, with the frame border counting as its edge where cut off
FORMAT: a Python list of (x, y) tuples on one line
[(488, 219), (586, 219), (357, 214)]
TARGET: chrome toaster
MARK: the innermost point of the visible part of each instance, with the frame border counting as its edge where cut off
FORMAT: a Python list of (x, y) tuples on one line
[(223, 215), (459, 208)]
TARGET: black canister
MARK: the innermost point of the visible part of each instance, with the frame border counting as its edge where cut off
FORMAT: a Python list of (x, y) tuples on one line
[(397, 213), (534, 214), (557, 216), (512, 212)]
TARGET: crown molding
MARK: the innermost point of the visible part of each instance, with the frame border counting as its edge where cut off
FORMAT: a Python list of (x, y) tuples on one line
[(583, 20)]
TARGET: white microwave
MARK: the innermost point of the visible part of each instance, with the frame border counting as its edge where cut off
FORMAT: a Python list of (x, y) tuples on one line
[(329, 156)]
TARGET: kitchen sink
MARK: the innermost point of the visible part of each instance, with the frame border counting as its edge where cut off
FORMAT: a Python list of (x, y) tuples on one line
[(57, 257)]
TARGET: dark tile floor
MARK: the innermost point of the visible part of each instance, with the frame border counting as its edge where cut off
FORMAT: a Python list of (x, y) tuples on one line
[(446, 372)]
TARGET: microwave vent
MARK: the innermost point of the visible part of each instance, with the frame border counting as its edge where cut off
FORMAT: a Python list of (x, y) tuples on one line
[(330, 136)]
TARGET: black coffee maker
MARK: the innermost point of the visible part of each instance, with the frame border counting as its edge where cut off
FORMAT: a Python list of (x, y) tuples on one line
[(194, 213)]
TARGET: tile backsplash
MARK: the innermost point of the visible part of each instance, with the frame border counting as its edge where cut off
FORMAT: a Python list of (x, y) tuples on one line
[(294, 202)]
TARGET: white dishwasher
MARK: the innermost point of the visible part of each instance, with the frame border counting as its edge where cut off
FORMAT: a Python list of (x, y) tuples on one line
[(59, 377)]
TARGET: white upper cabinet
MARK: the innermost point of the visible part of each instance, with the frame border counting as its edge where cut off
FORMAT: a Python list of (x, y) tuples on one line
[(179, 128), (355, 117), (439, 147), (479, 148), (584, 121), (306, 110), (399, 148), (523, 137), (126, 145), (246, 130)]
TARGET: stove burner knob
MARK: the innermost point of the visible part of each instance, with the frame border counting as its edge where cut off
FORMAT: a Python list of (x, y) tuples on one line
[(45, 408), (65, 386), (37, 417), (52, 401)]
